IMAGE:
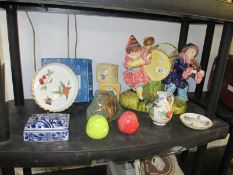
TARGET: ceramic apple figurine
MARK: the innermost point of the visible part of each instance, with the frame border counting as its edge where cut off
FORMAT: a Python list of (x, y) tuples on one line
[(97, 127), (128, 123)]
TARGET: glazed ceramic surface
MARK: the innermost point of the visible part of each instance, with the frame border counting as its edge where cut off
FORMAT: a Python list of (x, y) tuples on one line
[(54, 87), (159, 66), (169, 49), (82, 68), (196, 121), (161, 111), (47, 127)]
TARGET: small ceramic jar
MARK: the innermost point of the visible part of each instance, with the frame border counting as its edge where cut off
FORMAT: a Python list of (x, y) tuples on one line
[(161, 111)]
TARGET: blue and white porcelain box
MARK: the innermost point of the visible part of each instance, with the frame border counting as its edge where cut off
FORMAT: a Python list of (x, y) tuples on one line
[(82, 68), (47, 127)]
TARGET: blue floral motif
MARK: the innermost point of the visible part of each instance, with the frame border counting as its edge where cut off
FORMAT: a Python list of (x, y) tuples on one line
[(40, 123), (47, 127), (54, 120), (45, 137)]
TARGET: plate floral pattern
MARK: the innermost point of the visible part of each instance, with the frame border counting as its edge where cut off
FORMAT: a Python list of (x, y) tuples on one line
[(196, 121), (55, 87)]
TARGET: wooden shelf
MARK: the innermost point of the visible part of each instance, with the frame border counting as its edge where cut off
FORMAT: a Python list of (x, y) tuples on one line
[(148, 141), (211, 10)]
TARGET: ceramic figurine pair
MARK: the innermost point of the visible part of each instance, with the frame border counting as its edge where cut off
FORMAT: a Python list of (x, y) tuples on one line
[(184, 66)]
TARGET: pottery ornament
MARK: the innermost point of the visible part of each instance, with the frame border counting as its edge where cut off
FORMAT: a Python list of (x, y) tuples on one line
[(104, 103), (161, 111), (136, 57), (54, 87), (184, 67)]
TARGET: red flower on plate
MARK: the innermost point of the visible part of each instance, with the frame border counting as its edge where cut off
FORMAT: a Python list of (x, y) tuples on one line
[(63, 90), (169, 114), (44, 76), (41, 81)]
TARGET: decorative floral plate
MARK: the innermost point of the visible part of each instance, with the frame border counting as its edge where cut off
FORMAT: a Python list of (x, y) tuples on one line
[(55, 87), (196, 121)]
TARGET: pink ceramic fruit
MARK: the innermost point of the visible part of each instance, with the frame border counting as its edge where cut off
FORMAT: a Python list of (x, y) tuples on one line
[(128, 123)]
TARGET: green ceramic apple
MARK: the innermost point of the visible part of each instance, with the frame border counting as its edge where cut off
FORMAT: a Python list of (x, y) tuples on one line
[(97, 127)]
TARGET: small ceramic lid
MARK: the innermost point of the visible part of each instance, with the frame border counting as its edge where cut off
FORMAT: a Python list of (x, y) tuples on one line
[(48, 122), (159, 67), (196, 121), (55, 87)]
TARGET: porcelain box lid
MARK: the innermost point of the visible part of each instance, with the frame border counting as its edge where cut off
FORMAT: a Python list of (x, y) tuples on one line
[(48, 122)]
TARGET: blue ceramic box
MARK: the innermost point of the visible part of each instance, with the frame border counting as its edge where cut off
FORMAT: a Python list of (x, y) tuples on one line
[(82, 68), (47, 127)]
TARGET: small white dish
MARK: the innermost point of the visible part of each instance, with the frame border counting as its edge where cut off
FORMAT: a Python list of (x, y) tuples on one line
[(55, 87), (196, 121)]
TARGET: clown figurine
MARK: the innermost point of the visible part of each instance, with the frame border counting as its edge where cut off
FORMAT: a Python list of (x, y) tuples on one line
[(184, 66), (136, 56)]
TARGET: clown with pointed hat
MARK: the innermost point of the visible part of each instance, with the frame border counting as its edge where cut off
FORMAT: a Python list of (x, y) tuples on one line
[(136, 57)]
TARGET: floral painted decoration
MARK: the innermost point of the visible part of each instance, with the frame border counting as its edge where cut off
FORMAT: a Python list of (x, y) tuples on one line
[(47, 127), (46, 79), (48, 100), (63, 90), (55, 87)]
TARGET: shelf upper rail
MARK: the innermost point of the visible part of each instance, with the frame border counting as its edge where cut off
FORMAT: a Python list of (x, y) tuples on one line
[(210, 10)]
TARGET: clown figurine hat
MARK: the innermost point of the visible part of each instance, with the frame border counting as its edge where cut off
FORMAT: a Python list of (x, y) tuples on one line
[(132, 45)]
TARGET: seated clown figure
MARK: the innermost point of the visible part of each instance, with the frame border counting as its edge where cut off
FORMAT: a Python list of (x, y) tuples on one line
[(136, 56), (184, 67)]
